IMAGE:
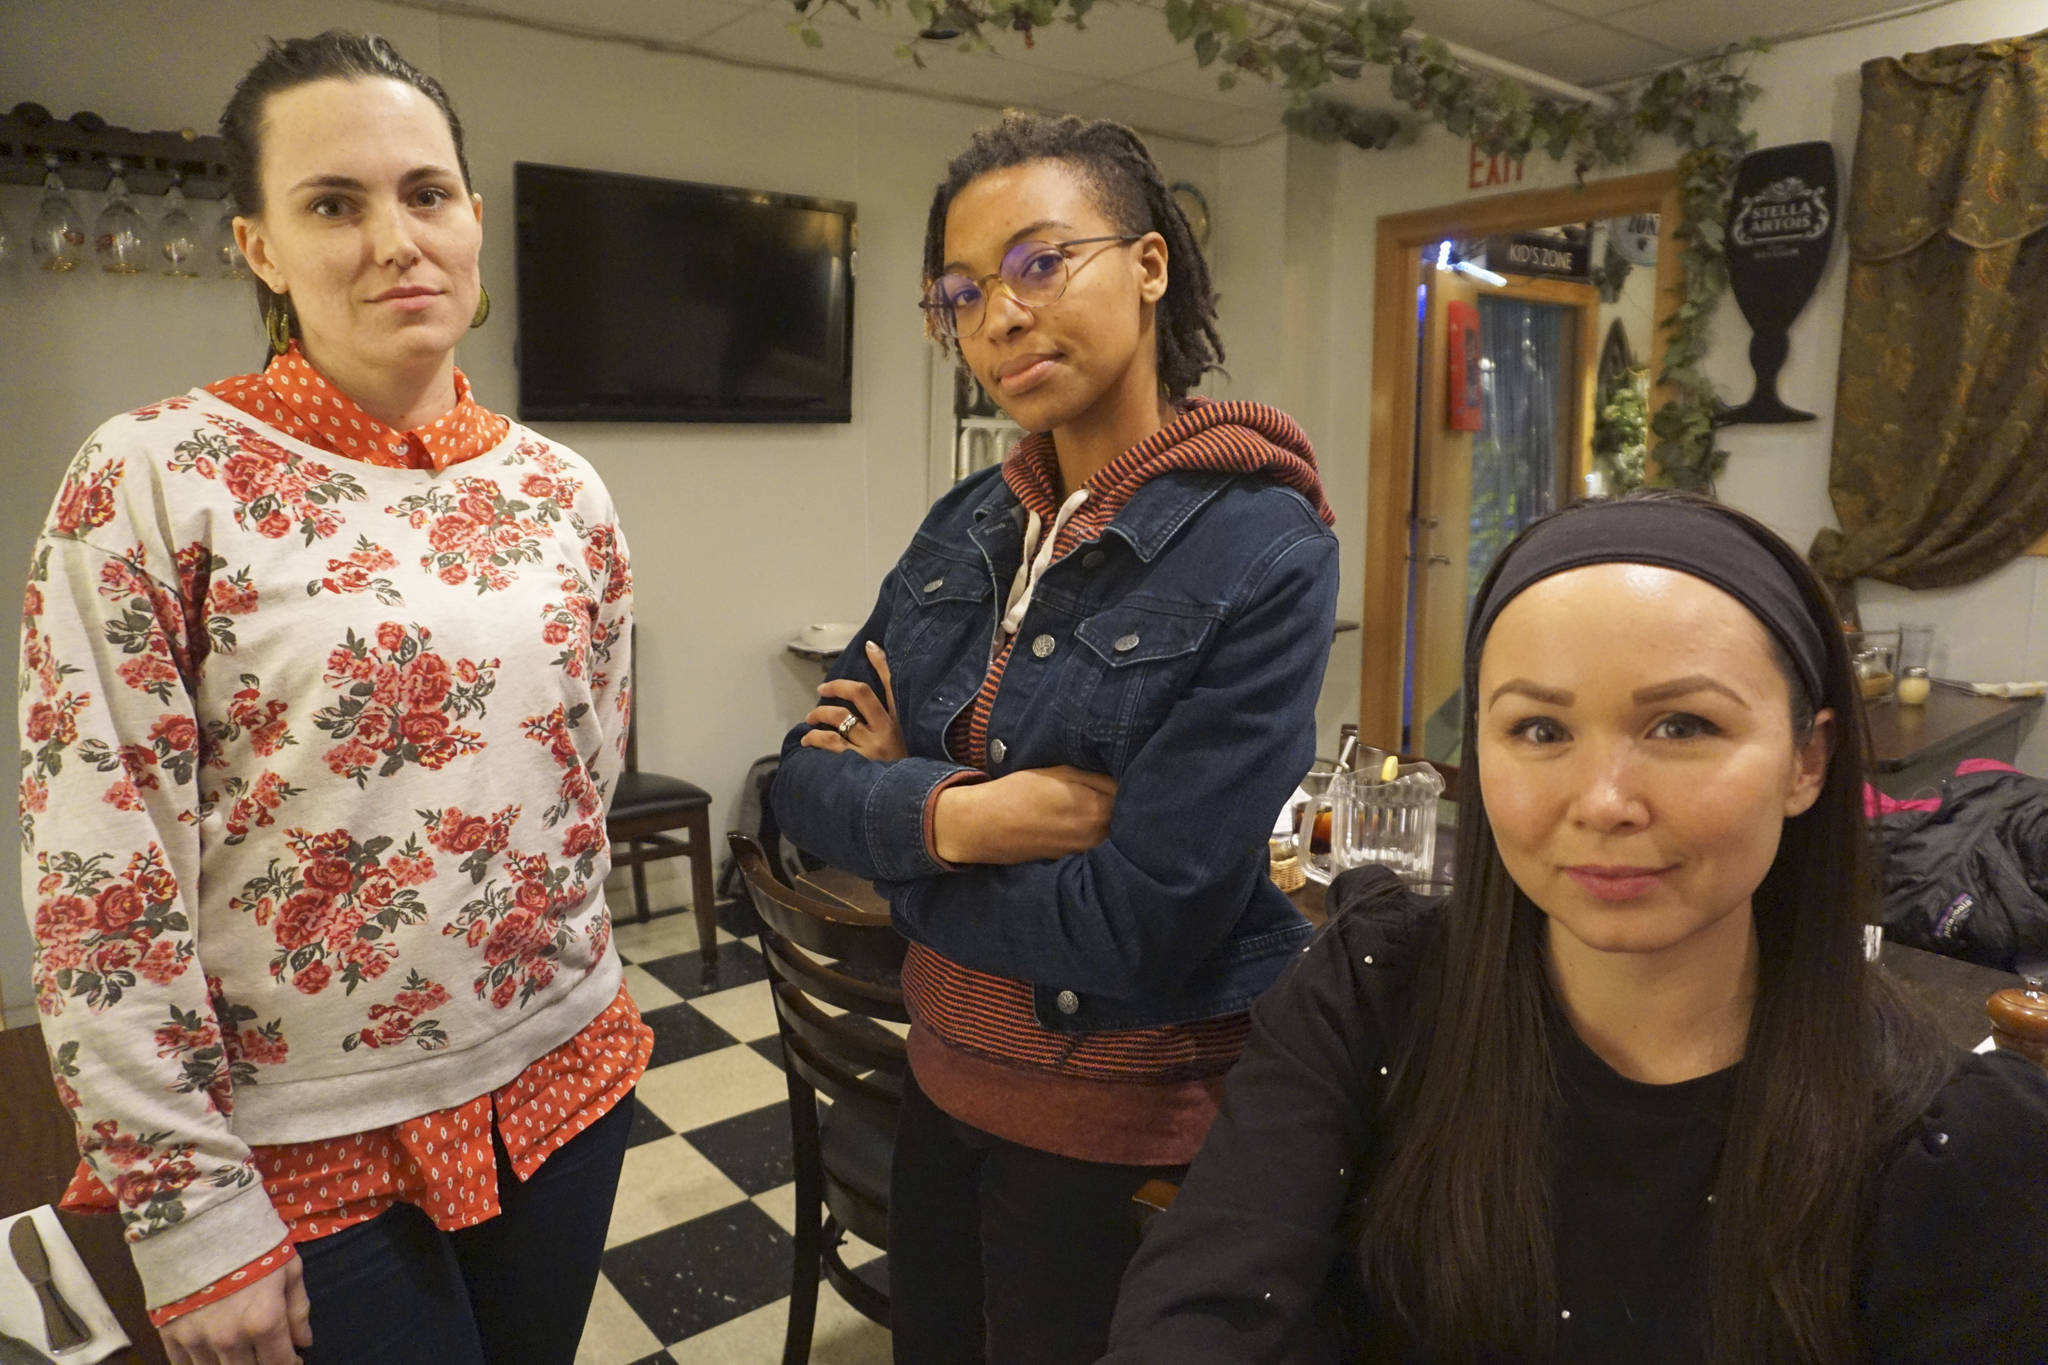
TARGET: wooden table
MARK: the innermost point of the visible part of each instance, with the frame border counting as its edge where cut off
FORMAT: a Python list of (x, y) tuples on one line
[(1917, 746), (1951, 991), (40, 1144)]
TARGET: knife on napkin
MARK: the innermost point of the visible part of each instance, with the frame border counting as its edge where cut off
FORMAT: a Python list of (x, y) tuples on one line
[(59, 1322)]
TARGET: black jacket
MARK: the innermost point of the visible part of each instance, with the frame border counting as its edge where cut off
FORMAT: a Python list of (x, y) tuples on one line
[(1252, 1262), (1970, 878)]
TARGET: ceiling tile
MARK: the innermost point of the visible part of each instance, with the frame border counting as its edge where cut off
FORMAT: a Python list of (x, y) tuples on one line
[(1240, 125), (1488, 23), (1590, 53), (1120, 39), (987, 78), (1592, 9), (763, 36), (1150, 111), (1699, 29), (673, 21), (1193, 81)]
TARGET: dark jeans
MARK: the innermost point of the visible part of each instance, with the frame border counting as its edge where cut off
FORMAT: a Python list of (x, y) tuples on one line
[(1003, 1253), (398, 1291)]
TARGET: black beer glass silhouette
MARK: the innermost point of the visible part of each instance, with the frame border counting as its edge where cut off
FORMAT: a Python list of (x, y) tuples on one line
[(1781, 222)]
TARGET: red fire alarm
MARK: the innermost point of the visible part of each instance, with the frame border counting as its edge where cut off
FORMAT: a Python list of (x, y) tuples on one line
[(1462, 321)]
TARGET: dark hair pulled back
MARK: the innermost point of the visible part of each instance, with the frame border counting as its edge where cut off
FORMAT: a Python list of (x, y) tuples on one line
[(1131, 193), (334, 55)]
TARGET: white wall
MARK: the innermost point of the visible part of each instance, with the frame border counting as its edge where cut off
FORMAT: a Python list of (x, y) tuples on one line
[(740, 534), (1333, 198)]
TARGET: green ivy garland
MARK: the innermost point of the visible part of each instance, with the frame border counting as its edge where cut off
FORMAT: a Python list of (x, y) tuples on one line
[(1304, 48)]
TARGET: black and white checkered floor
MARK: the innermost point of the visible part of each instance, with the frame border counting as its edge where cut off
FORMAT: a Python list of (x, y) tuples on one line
[(698, 1261)]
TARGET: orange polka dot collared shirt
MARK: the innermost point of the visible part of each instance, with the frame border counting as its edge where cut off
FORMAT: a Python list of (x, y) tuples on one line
[(443, 1162), (300, 401)]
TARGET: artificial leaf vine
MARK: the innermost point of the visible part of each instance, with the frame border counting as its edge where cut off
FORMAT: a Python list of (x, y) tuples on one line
[(1304, 47)]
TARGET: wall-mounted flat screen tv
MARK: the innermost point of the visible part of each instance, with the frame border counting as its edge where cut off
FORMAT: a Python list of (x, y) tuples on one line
[(646, 300)]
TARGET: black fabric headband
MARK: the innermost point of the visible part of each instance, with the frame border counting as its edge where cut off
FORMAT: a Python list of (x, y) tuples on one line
[(1672, 535)]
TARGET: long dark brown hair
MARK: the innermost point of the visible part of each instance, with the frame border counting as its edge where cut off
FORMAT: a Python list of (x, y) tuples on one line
[(1131, 193), (1456, 1229)]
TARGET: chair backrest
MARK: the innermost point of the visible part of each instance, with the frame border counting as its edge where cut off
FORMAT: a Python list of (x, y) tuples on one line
[(851, 964), (865, 944), (633, 698)]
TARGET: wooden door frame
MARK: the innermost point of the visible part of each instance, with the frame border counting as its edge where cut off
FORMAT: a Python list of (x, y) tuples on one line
[(1397, 274)]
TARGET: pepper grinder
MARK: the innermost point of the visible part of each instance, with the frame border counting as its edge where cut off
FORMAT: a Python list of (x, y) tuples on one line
[(2019, 1020)]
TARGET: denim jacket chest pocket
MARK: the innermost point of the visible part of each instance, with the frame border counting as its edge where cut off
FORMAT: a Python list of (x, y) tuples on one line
[(1136, 659), (943, 609)]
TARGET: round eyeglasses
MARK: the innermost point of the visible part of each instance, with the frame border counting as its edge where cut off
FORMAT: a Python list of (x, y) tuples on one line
[(1033, 273)]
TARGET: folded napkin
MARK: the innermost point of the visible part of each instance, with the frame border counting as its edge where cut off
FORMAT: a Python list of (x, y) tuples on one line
[(21, 1313)]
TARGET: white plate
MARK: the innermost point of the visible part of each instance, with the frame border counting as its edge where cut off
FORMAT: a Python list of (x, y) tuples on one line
[(829, 638)]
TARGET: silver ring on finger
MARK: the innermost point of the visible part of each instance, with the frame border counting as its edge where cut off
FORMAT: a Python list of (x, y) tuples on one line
[(845, 727)]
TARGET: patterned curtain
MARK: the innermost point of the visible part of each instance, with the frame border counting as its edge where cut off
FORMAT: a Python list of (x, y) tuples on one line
[(1940, 465), (1514, 456)]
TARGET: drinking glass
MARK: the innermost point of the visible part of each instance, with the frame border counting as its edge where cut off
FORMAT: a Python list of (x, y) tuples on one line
[(1874, 653), (1312, 818), (1312, 823), (58, 239), (221, 243), (121, 235), (1371, 819), (1916, 657), (1388, 822), (178, 237)]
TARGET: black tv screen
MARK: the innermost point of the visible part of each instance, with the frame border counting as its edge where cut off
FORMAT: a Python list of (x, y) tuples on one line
[(646, 300)]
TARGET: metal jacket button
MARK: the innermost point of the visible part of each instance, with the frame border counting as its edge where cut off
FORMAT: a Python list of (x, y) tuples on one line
[(1068, 1002), (935, 585), (1126, 643), (996, 750), (1043, 646)]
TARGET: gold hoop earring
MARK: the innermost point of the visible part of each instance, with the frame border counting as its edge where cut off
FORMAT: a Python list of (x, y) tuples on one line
[(277, 323), (483, 307)]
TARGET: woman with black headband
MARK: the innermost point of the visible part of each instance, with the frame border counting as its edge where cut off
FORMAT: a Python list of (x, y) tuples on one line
[(1632, 1093)]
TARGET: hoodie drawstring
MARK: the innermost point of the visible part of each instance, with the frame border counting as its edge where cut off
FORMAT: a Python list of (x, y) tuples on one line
[(1037, 556)]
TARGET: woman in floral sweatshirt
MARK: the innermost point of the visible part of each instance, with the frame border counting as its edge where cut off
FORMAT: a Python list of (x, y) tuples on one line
[(324, 688)]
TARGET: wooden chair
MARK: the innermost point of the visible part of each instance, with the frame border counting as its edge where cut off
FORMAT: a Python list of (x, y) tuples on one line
[(821, 953), (646, 809)]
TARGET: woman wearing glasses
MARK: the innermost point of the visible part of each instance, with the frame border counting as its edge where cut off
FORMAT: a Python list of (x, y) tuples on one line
[(1059, 742)]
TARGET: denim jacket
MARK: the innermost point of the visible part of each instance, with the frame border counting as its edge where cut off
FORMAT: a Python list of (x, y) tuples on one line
[(1180, 651)]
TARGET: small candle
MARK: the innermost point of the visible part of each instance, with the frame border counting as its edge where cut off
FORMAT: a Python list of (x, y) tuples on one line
[(1912, 690)]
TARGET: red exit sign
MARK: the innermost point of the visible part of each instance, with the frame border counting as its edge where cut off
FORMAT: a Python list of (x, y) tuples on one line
[(1483, 170)]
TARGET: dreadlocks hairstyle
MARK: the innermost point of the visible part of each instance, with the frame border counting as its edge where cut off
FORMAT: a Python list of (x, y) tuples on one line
[(1455, 1237), (333, 55), (1131, 194)]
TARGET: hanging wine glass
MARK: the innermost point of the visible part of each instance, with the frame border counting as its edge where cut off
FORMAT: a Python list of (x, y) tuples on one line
[(221, 243), (58, 240), (178, 236), (121, 235)]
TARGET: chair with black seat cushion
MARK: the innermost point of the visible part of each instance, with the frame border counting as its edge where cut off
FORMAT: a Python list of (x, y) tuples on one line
[(819, 954), (647, 810)]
